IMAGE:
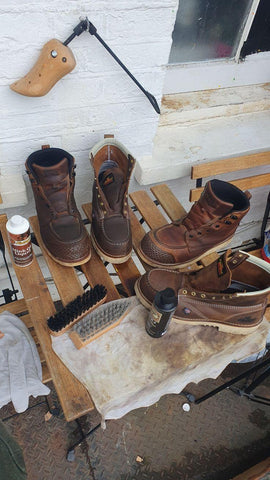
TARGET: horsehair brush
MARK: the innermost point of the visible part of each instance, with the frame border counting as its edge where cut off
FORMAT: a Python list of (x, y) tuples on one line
[(76, 310), (100, 321)]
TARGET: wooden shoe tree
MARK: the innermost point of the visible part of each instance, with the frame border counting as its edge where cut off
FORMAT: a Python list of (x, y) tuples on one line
[(55, 61)]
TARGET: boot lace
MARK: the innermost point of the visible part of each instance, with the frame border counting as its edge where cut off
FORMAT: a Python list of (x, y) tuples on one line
[(197, 216)]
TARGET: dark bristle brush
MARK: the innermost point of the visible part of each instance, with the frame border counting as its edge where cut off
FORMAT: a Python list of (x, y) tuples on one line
[(76, 309)]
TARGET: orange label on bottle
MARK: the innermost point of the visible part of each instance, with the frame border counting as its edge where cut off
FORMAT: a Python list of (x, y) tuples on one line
[(21, 248)]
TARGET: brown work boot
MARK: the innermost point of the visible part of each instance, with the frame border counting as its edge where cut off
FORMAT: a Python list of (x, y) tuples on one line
[(231, 293), (209, 226), (111, 231), (52, 176)]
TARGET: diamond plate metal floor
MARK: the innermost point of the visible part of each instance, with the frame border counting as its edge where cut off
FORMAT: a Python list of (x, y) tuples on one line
[(215, 440)]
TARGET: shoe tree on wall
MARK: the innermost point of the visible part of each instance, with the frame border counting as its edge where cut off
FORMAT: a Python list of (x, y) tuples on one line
[(55, 61)]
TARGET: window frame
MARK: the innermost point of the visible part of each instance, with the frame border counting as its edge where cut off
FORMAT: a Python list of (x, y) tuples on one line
[(219, 73)]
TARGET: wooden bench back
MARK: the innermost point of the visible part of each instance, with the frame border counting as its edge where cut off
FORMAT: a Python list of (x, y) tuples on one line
[(234, 164)]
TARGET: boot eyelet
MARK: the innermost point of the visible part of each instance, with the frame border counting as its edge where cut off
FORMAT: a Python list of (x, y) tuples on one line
[(203, 295), (184, 292), (228, 222), (193, 294), (199, 233), (217, 225), (190, 236), (186, 311), (234, 217), (213, 298)]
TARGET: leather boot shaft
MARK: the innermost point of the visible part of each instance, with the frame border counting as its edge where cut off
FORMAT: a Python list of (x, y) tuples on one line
[(207, 227), (52, 175), (231, 293), (111, 230)]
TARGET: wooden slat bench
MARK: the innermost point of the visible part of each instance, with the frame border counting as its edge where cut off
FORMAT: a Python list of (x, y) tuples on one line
[(234, 164), (37, 304)]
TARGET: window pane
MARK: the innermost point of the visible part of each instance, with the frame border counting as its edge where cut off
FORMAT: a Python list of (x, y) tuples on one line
[(207, 29)]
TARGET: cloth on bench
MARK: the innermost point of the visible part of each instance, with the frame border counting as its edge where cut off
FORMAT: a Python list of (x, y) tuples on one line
[(126, 369), (20, 367)]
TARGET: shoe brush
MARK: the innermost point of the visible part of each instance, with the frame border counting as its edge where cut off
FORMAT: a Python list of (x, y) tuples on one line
[(100, 321), (76, 310)]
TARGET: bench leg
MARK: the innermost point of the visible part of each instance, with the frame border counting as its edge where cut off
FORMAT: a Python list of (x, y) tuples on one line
[(71, 451)]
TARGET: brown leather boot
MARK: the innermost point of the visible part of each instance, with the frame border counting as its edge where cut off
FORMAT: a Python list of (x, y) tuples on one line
[(209, 226), (111, 231), (231, 293), (52, 176)]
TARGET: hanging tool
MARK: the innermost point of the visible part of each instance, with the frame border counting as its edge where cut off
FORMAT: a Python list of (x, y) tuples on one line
[(56, 60)]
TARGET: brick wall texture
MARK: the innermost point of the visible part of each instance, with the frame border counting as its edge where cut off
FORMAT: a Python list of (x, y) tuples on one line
[(97, 97)]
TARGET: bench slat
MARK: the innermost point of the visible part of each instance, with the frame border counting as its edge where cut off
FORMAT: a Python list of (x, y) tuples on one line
[(127, 271), (40, 306), (71, 286), (46, 376), (149, 211), (243, 183), (15, 307), (227, 165), (168, 201)]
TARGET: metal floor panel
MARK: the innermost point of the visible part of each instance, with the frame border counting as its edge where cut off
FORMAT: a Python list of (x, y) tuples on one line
[(215, 440)]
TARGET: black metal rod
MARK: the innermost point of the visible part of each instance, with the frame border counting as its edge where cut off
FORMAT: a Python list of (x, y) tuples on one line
[(150, 97), (87, 25), (265, 218), (258, 380), (2, 248), (255, 399), (232, 382)]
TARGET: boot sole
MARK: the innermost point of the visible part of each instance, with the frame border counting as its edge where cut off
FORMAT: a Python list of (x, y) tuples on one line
[(107, 258), (67, 264), (215, 323), (175, 266)]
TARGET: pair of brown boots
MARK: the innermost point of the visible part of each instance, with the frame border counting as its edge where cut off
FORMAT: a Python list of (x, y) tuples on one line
[(52, 175), (232, 292)]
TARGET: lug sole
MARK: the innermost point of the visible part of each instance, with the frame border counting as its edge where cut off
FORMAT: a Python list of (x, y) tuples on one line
[(225, 328), (67, 264), (182, 265), (107, 258)]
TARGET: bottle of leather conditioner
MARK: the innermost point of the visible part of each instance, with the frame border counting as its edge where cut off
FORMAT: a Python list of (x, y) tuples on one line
[(162, 310), (18, 229)]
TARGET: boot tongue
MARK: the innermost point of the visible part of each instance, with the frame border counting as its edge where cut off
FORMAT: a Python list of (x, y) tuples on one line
[(111, 181), (52, 174), (217, 276)]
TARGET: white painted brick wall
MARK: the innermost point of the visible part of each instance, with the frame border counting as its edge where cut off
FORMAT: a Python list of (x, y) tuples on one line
[(97, 97)]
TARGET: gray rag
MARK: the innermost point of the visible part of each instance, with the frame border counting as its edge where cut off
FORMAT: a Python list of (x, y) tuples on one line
[(20, 367), (126, 369)]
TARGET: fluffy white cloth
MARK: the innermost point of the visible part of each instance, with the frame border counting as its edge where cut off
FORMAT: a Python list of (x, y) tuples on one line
[(125, 368), (20, 367)]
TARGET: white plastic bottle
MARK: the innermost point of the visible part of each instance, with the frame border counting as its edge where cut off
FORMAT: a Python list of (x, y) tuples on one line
[(18, 229)]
